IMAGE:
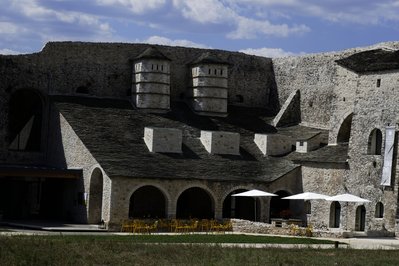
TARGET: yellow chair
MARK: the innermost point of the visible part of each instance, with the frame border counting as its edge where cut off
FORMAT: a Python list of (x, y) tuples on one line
[(127, 226)]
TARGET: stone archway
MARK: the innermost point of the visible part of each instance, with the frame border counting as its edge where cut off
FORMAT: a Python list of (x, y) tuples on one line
[(280, 208), (344, 131), (240, 207), (195, 202), (147, 202), (95, 199)]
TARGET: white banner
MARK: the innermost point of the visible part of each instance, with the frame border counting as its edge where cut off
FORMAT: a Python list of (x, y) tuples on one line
[(388, 156)]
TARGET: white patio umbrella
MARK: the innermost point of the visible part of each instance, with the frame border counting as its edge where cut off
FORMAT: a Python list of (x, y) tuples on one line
[(254, 193), (307, 196), (347, 198)]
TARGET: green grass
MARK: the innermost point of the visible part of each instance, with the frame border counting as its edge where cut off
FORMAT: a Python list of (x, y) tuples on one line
[(130, 250)]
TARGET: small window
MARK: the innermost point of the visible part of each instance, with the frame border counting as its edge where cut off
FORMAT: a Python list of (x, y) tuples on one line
[(308, 207), (215, 71), (209, 71), (239, 99), (301, 143), (378, 83), (82, 90), (152, 67), (161, 67), (221, 72), (379, 210), (157, 67)]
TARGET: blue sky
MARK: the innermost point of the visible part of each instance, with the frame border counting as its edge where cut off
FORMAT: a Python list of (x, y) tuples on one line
[(264, 27)]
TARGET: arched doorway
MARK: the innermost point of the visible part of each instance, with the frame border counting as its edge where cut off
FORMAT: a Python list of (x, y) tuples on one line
[(360, 222), (344, 132), (280, 208), (25, 121), (96, 196), (240, 207), (147, 202), (195, 202), (335, 214)]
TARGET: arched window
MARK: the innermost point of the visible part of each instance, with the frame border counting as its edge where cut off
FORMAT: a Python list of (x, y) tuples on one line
[(374, 142), (335, 214), (25, 121), (379, 210)]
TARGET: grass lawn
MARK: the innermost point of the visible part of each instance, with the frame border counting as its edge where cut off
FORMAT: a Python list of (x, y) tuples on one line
[(144, 250)]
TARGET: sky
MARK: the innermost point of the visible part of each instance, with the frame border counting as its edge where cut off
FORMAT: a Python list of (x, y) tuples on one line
[(271, 28)]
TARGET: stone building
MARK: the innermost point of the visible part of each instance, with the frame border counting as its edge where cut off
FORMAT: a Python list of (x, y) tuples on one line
[(108, 131)]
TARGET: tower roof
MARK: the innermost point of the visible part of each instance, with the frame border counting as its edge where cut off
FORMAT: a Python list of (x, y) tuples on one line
[(207, 58), (151, 53)]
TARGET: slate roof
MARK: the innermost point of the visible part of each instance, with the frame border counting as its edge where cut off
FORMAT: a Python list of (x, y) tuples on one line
[(371, 61), (113, 132), (207, 58), (328, 154), (151, 53)]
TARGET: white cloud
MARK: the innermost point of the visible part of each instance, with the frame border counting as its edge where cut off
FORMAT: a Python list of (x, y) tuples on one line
[(269, 52), (136, 6), (166, 41), (213, 11), (205, 11), (8, 52), (250, 29)]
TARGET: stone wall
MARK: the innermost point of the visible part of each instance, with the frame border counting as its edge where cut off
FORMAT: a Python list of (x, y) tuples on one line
[(322, 83), (105, 69), (375, 108)]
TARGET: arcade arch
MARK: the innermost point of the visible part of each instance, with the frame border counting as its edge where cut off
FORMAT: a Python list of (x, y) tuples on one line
[(195, 202)]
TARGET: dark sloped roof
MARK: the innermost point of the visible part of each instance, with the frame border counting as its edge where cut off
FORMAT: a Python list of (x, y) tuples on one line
[(327, 154), (114, 135), (151, 53), (371, 61), (207, 58)]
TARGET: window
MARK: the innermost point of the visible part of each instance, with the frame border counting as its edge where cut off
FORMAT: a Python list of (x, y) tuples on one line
[(374, 143), (221, 72), (82, 90), (215, 71), (239, 98), (301, 143), (308, 207), (209, 71), (378, 83), (379, 210)]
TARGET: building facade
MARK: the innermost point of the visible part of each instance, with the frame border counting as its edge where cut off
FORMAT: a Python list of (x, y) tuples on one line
[(96, 132)]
